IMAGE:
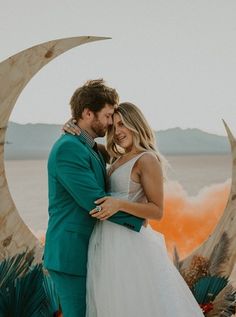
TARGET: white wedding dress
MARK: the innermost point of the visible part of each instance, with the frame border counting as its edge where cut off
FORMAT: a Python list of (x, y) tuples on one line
[(130, 273)]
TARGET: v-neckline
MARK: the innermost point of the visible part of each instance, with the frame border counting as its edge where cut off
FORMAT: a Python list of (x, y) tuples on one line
[(109, 175)]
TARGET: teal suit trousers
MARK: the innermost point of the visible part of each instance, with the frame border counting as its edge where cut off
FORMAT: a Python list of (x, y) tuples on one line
[(71, 290)]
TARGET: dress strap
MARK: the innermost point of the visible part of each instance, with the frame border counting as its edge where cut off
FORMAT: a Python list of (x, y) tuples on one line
[(132, 162)]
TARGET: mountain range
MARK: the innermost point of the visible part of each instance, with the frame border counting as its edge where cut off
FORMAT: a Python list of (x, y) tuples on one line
[(33, 141)]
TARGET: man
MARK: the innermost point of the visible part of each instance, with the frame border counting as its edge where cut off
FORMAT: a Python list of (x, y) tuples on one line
[(77, 178)]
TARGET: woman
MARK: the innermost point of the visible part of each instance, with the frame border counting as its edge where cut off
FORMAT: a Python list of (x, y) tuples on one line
[(130, 273)]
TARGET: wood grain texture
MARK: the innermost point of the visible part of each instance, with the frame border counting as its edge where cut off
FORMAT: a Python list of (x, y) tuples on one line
[(226, 224), (15, 73)]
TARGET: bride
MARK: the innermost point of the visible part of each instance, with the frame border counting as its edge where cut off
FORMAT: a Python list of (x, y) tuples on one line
[(130, 273)]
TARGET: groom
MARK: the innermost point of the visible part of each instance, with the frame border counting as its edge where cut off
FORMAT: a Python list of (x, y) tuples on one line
[(77, 178)]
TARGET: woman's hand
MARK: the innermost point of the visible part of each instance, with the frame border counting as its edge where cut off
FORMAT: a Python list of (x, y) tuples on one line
[(109, 206), (71, 127)]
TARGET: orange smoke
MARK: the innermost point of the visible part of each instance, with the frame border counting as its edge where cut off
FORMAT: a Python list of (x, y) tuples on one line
[(188, 221)]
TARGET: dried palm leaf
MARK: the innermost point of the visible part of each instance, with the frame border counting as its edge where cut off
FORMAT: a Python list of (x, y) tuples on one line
[(231, 308), (25, 297), (14, 267), (219, 255), (176, 260), (207, 288), (221, 302)]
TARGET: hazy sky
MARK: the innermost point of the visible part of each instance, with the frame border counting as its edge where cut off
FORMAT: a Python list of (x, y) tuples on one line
[(175, 59)]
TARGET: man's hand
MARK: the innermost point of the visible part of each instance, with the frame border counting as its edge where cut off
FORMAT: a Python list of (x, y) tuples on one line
[(107, 206), (71, 127)]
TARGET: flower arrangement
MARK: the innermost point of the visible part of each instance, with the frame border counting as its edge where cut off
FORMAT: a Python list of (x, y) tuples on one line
[(205, 277)]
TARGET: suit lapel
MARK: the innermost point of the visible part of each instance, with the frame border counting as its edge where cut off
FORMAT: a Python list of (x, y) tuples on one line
[(97, 156)]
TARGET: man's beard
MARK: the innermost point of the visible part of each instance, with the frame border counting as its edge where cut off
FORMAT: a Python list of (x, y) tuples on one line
[(98, 128)]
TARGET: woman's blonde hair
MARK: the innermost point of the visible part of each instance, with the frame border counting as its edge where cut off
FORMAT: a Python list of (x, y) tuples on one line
[(143, 136)]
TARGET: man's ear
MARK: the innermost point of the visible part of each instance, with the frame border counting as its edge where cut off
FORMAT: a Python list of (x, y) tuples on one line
[(87, 114)]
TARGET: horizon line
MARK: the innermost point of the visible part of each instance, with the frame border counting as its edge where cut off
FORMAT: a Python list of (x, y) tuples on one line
[(177, 127)]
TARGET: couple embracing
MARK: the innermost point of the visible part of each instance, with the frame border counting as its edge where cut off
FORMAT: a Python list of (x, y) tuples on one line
[(103, 257)]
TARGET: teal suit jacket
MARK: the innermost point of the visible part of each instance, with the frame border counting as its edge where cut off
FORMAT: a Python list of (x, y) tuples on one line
[(76, 178)]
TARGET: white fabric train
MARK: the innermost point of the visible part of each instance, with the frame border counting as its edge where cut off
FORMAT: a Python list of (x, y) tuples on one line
[(130, 274)]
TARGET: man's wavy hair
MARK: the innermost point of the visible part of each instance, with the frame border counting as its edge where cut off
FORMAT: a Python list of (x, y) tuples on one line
[(94, 95)]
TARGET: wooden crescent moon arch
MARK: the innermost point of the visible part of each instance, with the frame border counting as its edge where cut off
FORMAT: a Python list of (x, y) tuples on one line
[(15, 73), (226, 224), (15, 236)]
